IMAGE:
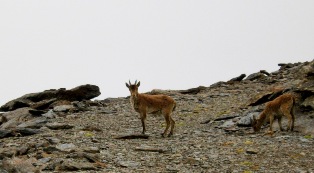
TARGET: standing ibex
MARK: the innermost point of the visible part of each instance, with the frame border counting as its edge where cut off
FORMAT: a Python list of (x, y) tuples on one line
[(144, 103), (281, 106)]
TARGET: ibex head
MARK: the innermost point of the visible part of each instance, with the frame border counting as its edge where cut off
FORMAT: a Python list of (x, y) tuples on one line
[(255, 125), (133, 88)]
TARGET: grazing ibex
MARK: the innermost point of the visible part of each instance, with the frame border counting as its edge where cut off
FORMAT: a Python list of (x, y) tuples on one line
[(281, 106), (144, 103)]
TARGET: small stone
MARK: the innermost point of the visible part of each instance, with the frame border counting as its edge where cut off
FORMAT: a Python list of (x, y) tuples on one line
[(76, 166), (63, 108), (71, 116), (58, 126), (246, 121), (50, 149), (302, 139), (66, 147), (92, 150), (129, 164), (44, 160), (34, 123), (50, 114), (205, 166), (172, 168), (251, 151), (227, 124), (52, 140)]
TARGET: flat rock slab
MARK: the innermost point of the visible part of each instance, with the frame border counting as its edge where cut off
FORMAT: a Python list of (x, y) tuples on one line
[(34, 123), (58, 126), (129, 164), (46, 98), (18, 132), (251, 151), (70, 165), (5, 133), (63, 108), (132, 136), (151, 149), (66, 147)]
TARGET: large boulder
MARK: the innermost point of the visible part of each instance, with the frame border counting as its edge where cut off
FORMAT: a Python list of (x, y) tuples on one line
[(266, 96), (42, 100), (192, 91), (255, 76), (13, 119), (246, 121), (237, 79)]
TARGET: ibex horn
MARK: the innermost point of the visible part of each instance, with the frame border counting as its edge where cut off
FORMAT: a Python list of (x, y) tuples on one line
[(135, 82), (130, 83)]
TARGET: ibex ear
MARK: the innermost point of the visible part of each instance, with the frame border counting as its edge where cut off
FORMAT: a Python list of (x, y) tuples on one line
[(138, 84), (127, 85)]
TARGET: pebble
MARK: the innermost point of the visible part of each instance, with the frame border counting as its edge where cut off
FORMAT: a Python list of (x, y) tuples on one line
[(129, 164), (66, 147), (251, 151)]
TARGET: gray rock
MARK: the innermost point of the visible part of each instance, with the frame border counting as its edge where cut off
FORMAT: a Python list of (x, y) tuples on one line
[(44, 160), (22, 113), (82, 106), (15, 104), (91, 150), (70, 165), (218, 84), (238, 79), (58, 126), (251, 151), (308, 103), (83, 92), (66, 147), (25, 131), (14, 118), (129, 164), (5, 133), (19, 165), (227, 124), (192, 90), (34, 123), (50, 149), (50, 114), (246, 121), (63, 108), (255, 76), (172, 168), (6, 152), (53, 140), (302, 139)]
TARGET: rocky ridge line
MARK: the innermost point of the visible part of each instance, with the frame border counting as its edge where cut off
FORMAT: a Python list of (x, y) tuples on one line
[(212, 132)]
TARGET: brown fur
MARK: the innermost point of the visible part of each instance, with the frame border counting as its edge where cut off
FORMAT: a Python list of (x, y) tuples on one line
[(144, 103), (281, 106)]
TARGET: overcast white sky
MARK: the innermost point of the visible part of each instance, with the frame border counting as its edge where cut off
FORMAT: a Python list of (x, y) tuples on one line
[(166, 44)]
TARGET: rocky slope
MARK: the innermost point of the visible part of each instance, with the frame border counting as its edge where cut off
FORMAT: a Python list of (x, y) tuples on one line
[(212, 131)]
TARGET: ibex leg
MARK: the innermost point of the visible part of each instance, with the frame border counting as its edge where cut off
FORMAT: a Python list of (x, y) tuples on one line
[(143, 117)]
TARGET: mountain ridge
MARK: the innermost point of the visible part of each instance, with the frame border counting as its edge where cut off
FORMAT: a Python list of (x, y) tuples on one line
[(212, 132)]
